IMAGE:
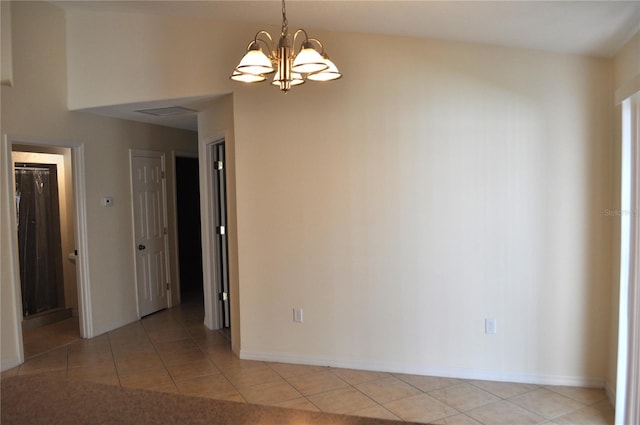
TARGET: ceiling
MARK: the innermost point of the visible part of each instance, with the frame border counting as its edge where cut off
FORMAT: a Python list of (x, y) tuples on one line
[(594, 28)]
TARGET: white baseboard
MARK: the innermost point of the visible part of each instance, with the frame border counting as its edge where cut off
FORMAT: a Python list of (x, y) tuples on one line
[(393, 367), (112, 326), (9, 364)]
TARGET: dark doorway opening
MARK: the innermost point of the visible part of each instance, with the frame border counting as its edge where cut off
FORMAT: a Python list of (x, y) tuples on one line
[(189, 230)]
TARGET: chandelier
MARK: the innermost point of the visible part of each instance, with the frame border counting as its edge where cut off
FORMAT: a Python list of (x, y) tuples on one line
[(291, 68)]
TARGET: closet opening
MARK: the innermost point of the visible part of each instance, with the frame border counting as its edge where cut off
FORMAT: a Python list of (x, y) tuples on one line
[(44, 208)]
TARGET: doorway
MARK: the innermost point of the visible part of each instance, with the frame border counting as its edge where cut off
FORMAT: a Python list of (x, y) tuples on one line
[(189, 230), (215, 234), (221, 246), (44, 206)]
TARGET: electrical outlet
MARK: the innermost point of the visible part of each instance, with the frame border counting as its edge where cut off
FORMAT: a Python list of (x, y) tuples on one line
[(297, 315), (490, 326)]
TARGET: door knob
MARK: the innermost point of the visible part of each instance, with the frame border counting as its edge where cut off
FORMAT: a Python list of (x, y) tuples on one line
[(141, 247)]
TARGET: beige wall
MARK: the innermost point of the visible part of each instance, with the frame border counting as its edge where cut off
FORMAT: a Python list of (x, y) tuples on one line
[(148, 57), (35, 108), (421, 194), (6, 67), (435, 185)]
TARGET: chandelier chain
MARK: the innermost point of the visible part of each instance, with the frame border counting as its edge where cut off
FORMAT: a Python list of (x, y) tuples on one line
[(285, 23)]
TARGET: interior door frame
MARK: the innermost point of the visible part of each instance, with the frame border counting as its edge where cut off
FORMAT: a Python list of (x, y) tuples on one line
[(85, 313), (162, 156), (212, 308), (219, 203)]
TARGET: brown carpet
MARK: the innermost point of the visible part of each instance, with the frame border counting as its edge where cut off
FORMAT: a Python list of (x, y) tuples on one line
[(44, 400)]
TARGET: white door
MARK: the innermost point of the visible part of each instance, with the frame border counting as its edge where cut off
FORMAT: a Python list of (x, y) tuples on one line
[(149, 220)]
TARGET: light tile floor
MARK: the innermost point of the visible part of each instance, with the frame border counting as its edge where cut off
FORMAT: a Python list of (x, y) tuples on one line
[(172, 351), (39, 340)]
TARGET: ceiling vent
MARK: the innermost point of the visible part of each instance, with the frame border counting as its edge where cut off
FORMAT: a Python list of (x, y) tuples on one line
[(166, 111)]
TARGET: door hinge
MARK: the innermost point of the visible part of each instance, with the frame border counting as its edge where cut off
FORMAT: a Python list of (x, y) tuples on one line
[(162, 174), (168, 286), (219, 165), (165, 230), (221, 230), (223, 296)]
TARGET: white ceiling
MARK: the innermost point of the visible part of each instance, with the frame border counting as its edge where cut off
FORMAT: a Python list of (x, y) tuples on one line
[(595, 28)]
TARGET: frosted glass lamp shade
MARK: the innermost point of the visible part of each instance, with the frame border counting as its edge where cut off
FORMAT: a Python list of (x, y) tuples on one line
[(255, 62), (247, 78), (331, 73), (308, 60)]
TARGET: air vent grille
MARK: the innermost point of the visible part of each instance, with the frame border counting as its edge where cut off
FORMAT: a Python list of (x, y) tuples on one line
[(166, 111)]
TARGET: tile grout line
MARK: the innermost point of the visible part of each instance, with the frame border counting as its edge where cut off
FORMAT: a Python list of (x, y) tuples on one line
[(225, 377), (270, 365), (113, 359), (66, 363), (422, 392), (221, 372), (366, 395), (164, 365), (218, 367), (190, 338), (526, 409)]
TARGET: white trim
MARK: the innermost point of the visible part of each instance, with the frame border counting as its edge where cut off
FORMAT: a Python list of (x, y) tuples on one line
[(632, 404), (133, 235), (11, 363), (174, 156), (82, 261), (628, 381), (398, 367), (108, 327), (8, 190), (82, 243), (212, 314)]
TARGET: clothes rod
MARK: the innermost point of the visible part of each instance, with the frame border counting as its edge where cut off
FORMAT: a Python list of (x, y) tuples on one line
[(31, 169)]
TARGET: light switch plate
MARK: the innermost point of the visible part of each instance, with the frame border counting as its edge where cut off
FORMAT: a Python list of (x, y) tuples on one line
[(490, 326)]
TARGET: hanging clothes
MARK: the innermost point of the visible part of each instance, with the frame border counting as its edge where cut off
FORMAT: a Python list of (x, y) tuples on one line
[(39, 238)]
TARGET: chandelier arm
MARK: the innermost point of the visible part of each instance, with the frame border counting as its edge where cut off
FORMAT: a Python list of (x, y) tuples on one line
[(268, 43), (293, 40), (319, 43)]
